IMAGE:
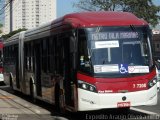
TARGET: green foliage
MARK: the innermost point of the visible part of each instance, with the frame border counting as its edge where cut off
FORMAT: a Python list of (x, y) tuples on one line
[(12, 33), (1, 25), (141, 8)]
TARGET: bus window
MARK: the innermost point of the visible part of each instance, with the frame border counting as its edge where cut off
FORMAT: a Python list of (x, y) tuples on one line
[(84, 55), (130, 53)]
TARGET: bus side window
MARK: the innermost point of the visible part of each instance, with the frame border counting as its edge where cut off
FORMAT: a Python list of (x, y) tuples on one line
[(45, 53), (51, 54)]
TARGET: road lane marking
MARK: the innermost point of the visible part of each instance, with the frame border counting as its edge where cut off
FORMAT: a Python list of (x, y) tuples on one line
[(144, 111)]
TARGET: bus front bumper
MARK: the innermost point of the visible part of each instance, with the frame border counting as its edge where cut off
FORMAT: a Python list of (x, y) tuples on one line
[(95, 101)]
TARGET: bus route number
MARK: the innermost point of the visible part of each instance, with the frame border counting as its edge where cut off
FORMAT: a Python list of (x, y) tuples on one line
[(143, 85)]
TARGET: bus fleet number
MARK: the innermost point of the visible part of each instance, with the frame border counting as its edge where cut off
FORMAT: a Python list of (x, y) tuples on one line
[(139, 85)]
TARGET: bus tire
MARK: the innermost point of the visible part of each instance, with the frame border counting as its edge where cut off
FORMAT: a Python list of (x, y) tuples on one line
[(32, 92)]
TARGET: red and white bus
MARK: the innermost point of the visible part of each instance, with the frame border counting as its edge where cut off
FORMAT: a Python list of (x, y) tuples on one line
[(84, 61), (1, 62)]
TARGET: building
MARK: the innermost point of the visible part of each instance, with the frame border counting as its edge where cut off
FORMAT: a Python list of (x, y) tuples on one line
[(29, 13), (1, 11)]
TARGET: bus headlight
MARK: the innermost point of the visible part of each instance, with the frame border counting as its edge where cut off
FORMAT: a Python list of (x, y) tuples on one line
[(86, 86), (152, 82)]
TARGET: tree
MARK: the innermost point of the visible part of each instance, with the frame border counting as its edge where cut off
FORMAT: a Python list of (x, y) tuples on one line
[(1, 25), (141, 8), (12, 33)]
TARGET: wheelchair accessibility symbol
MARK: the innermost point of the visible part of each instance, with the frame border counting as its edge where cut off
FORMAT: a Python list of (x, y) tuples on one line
[(123, 69)]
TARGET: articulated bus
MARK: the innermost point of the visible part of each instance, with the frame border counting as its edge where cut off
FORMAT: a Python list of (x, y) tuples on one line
[(84, 61)]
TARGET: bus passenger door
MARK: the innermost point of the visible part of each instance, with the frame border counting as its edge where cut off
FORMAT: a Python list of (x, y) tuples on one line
[(38, 69), (69, 74)]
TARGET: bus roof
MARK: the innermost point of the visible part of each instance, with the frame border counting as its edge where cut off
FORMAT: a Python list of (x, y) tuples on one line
[(101, 18), (78, 20)]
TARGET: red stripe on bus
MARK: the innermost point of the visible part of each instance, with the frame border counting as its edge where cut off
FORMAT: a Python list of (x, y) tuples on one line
[(1, 69), (129, 84), (1, 45)]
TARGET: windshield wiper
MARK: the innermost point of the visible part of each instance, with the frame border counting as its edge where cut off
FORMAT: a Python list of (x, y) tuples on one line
[(132, 28)]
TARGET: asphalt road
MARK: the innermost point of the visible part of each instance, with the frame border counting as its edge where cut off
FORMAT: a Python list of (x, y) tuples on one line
[(155, 109)]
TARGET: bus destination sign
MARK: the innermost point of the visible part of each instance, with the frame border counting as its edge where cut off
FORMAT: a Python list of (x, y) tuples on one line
[(113, 35)]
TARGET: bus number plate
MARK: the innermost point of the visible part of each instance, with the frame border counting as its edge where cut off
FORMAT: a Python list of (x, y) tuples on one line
[(123, 104)]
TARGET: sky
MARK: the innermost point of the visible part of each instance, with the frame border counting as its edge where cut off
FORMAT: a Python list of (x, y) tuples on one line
[(66, 6)]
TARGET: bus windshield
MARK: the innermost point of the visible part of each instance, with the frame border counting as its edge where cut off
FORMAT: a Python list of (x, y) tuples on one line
[(115, 50)]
